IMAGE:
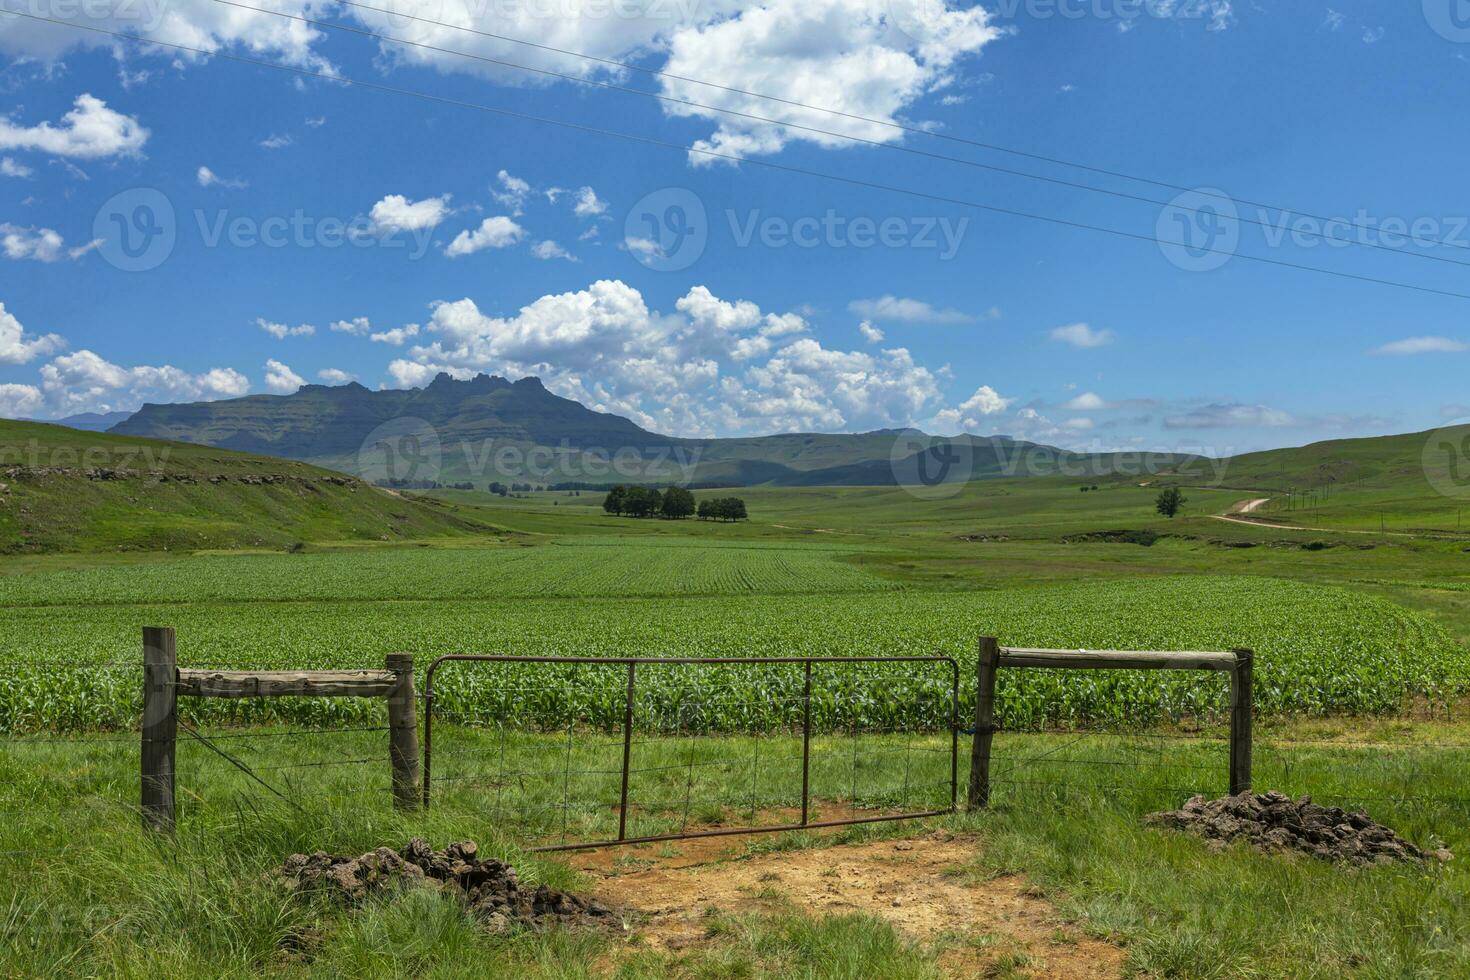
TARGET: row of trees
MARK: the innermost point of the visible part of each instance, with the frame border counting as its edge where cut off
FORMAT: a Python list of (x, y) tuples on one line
[(675, 503)]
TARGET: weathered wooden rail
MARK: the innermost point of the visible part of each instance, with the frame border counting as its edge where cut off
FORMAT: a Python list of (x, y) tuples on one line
[(164, 683), (993, 656)]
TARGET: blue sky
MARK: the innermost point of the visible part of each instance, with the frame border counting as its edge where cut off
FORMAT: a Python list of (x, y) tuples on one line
[(415, 236)]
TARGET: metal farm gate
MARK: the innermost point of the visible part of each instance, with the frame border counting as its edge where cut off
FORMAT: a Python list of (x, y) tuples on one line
[(576, 728)]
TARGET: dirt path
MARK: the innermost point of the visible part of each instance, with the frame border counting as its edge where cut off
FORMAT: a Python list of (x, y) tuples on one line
[(918, 885)]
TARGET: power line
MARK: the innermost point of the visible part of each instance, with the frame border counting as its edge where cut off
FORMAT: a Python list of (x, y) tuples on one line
[(887, 123), (1321, 235), (734, 158)]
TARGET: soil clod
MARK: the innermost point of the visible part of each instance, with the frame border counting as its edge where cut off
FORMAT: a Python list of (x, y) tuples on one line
[(488, 888), (1276, 822)]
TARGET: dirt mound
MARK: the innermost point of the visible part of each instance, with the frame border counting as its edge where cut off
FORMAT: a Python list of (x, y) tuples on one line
[(1276, 822), (488, 887)]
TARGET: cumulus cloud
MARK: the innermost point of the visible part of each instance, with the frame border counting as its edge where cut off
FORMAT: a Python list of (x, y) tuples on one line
[(86, 382), (712, 365), (19, 347), (588, 205), (397, 213), (397, 336), (513, 191), (1088, 401), (549, 249), (358, 326), (870, 333), (1423, 345), (19, 401), (1230, 415), (870, 60), (496, 232), (280, 331), (335, 376), (9, 168), (896, 308), (39, 244), (276, 141), (975, 412), (1082, 335), (208, 178), (281, 379), (90, 131)]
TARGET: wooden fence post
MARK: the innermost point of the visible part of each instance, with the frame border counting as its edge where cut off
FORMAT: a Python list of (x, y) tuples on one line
[(403, 734), (1241, 703), (986, 665), (160, 727)]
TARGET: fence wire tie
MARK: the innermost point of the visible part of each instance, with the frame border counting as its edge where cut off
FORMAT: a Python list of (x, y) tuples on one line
[(189, 730)]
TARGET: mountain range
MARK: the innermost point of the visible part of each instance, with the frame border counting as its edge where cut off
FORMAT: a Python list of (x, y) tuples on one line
[(491, 430)]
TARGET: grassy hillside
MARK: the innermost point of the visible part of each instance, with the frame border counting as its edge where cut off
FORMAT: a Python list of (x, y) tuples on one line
[(1412, 483), (66, 490)]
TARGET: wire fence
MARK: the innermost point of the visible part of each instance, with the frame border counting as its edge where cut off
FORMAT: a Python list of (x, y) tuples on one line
[(719, 755)]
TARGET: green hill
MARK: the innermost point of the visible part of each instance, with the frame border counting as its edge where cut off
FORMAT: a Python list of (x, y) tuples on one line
[(66, 490)]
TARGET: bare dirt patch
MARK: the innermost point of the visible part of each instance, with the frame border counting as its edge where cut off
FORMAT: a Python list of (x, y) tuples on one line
[(919, 885)]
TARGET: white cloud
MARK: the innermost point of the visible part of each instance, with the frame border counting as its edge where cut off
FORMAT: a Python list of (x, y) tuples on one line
[(974, 412), (276, 141), (19, 401), (549, 249), (208, 178), (208, 26), (316, 122), (280, 331), (903, 310), (496, 232), (86, 382), (397, 213), (1372, 35), (1088, 401), (396, 336), (335, 376), (1334, 20), (37, 244), (713, 365), (513, 192), (588, 205), (1081, 335), (90, 131), (19, 347), (357, 326), (870, 333), (9, 168), (281, 379), (1423, 345), (1230, 415), (870, 60)]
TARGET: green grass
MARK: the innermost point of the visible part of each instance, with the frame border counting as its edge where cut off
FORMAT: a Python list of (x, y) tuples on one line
[(65, 490)]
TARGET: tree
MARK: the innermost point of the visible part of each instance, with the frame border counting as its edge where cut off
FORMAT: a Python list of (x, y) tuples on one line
[(706, 510), (735, 508), (616, 500), (642, 502), (678, 503), (1169, 502)]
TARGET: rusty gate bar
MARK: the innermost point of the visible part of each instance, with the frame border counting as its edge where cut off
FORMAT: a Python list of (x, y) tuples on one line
[(632, 664)]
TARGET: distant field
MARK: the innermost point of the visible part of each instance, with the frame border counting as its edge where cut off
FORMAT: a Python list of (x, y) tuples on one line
[(581, 567)]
